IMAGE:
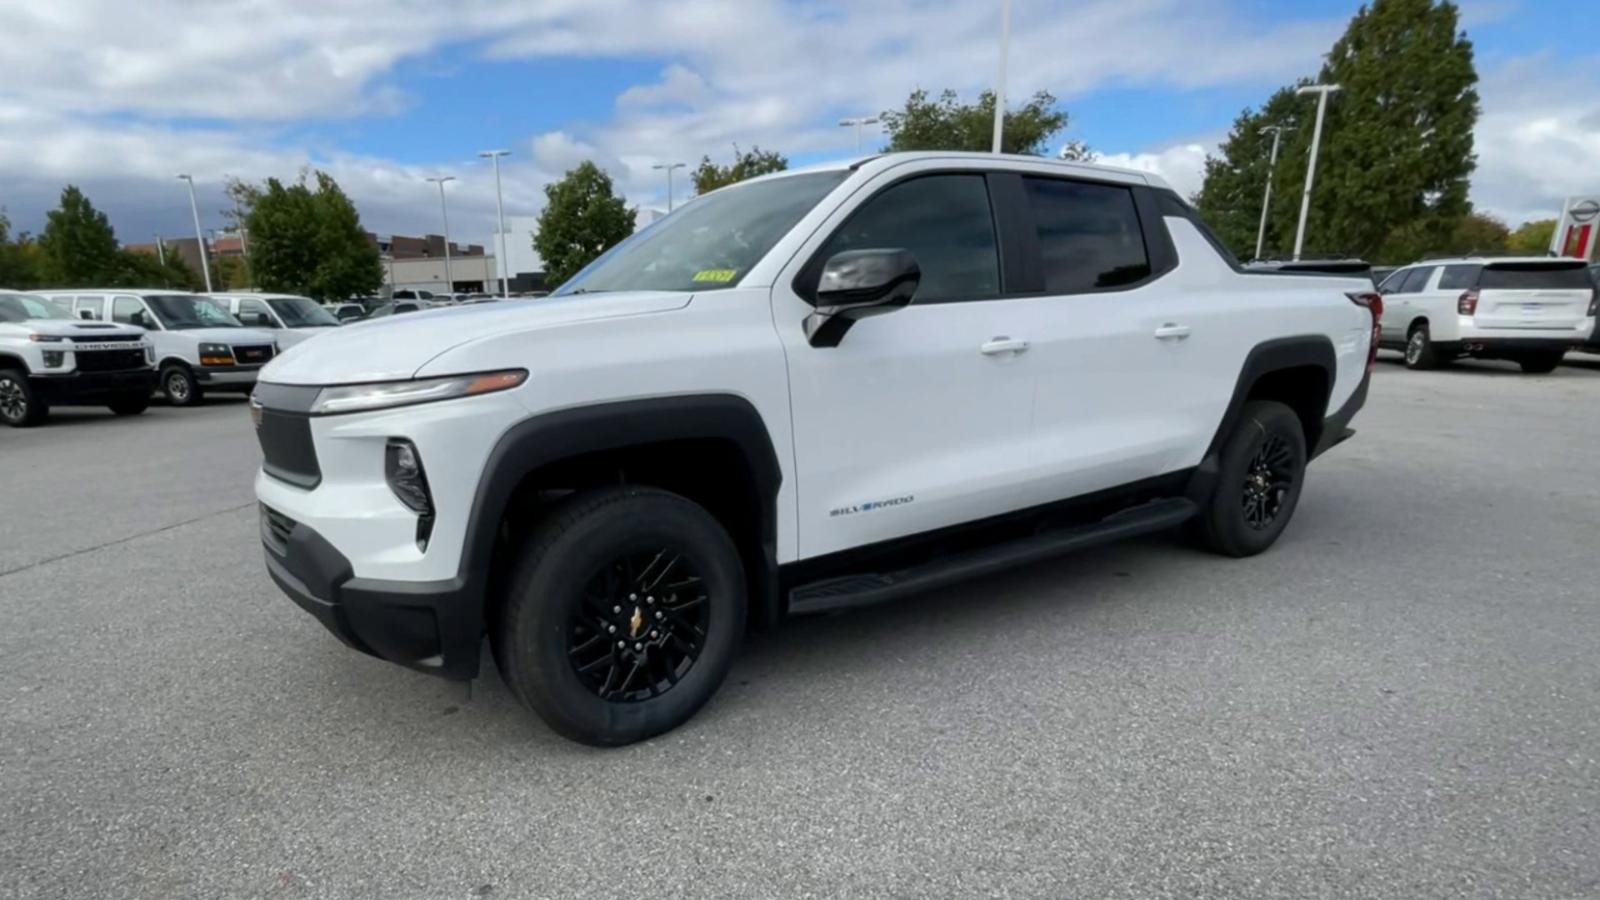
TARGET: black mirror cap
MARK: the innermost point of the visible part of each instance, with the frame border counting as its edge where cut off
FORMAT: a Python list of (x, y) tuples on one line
[(872, 277)]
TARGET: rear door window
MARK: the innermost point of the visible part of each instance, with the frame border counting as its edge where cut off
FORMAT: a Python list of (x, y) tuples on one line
[(1089, 235), (1534, 277), (1459, 278)]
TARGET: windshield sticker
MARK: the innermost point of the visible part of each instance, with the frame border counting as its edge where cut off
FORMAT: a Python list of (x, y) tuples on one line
[(717, 275)]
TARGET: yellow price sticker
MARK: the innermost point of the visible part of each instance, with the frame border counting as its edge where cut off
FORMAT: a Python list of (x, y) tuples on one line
[(717, 275)]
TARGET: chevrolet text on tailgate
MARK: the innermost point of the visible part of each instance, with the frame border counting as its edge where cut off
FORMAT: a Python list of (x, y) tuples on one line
[(808, 391)]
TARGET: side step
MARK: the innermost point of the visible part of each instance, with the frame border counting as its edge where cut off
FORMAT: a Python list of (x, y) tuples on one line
[(869, 588)]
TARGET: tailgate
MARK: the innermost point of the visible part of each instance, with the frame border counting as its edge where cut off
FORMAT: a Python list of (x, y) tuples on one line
[(1533, 295)]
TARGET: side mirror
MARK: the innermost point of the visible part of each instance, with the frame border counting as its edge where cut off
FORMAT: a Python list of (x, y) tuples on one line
[(86, 314), (857, 284)]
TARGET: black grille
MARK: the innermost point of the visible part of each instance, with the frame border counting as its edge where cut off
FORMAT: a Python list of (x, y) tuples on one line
[(249, 356), (103, 338), (287, 451), (276, 528), (110, 360)]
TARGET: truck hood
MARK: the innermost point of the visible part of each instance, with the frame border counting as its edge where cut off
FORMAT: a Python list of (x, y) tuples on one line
[(395, 347), (79, 328)]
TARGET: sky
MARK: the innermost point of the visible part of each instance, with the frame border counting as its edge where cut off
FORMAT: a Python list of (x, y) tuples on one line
[(117, 97)]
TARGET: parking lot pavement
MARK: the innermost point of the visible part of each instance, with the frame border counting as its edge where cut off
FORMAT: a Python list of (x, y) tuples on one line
[(1397, 701)]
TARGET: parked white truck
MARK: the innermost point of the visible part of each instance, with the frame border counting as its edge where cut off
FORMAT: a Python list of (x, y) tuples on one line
[(48, 358), (811, 390)]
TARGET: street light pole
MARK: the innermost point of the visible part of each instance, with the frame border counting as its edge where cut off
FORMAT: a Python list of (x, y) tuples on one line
[(161, 252), (1272, 164), (858, 121), (1000, 82), (444, 211), (199, 236), (669, 167), (500, 213), (1322, 91)]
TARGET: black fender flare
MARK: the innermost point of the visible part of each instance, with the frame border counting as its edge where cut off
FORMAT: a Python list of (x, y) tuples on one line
[(1276, 355), (552, 437)]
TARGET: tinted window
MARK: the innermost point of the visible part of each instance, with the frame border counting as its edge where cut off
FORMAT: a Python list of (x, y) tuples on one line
[(944, 220), (129, 311), (1534, 277), (1394, 282), (1417, 279), (1459, 278), (1089, 235)]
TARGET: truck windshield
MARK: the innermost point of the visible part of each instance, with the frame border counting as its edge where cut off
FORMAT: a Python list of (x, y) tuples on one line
[(301, 312), (180, 312), (20, 307), (709, 243)]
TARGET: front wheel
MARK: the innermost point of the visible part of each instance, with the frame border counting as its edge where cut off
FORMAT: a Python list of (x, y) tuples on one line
[(622, 615), (1541, 363), (1260, 476), (20, 407), (130, 404), (180, 387)]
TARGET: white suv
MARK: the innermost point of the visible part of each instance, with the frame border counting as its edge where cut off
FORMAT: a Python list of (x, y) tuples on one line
[(47, 358), (1531, 310), (807, 391), (199, 346), (289, 318)]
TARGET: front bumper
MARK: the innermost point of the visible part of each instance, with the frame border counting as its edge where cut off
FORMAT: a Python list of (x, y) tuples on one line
[(424, 625), (92, 387), (227, 377)]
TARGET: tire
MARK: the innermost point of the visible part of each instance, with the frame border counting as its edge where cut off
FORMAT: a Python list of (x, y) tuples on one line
[(130, 404), (1245, 516), (1419, 350), (178, 383), (1540, 363), (20, 406), (567, 607)]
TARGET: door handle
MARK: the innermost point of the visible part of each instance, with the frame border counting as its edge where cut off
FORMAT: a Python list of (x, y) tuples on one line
[(1172, 331), (1002, 344)]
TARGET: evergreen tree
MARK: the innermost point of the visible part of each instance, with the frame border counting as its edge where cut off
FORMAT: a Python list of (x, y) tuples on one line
[(78, 248), (948, 124), (583, 218), (305, 241), (709, 176), (19, 268)]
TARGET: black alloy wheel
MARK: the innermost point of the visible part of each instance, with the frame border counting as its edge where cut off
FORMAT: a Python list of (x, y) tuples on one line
[(640, 627), (1268, 481)]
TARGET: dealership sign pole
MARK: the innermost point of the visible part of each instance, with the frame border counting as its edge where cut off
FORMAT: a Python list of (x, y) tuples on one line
[(1578, 230)]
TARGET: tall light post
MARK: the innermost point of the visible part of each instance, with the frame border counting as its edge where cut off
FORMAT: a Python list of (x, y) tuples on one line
[(161, 252), (199, 236), (669, 167), (1272, 164), (857, 122), (500, 213), (1322, 91), (449, 282), (1000, 81)]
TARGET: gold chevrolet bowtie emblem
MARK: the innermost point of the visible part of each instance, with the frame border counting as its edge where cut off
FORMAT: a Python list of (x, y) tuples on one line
[(635, 623)]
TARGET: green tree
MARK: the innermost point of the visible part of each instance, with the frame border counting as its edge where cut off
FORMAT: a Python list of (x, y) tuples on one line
[(1532, 238), (18, 258), (583, 218), (1397, 151), (78, 247), (304, 240), (948, 124), (1478, 233), (709, 176)]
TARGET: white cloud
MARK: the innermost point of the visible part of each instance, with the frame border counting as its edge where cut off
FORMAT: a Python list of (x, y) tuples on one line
[(1181, 165), (1538, 140)]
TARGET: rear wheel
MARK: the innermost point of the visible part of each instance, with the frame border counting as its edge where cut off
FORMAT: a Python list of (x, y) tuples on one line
[(1420, 352), (1540, 363), (1260, 476), (622, 615), (20, 407), (178, 383), (130, 404)]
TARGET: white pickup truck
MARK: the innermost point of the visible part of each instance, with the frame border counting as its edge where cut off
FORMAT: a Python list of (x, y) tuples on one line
[(48, 358), (804, 392)]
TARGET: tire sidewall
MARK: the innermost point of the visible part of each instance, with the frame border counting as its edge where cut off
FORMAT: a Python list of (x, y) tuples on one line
[(33, 409), (1230, 532), (547, 591), (1424, 357), (192, 395)]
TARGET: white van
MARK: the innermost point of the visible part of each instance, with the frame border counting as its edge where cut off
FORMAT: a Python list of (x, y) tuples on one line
[(199, 346), (289, 318)]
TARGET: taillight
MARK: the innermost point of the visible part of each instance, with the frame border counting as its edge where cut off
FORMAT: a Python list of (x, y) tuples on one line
[(1374, 304), (1467, 303), (1594, 302)]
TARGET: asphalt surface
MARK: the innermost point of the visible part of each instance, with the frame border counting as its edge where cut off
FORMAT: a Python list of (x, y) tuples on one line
[(1400, 700)]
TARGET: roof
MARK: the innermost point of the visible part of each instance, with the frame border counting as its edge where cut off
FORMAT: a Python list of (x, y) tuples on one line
[(1491, 260), (1079, 168), (137, 292)]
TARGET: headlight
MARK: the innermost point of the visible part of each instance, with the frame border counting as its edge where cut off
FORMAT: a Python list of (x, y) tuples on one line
[(347, 398), (45, 338), (216, 355)]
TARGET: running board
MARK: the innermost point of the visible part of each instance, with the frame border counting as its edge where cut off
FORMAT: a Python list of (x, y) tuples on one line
[(869, 588)]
